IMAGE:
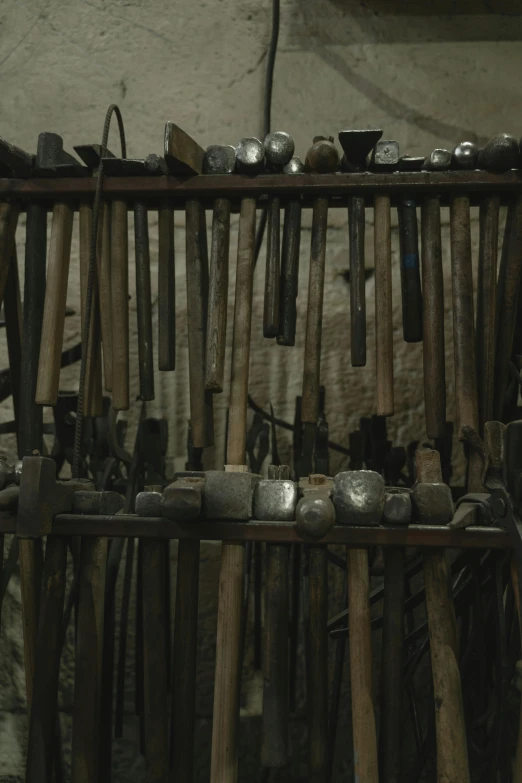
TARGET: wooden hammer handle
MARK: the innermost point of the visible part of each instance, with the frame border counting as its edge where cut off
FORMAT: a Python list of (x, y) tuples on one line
[(486, 295), (120, 305), (433, 319), (289, 272), (92, 400), (236, 442), (317, 670), (357, 225), (314, 318), (8, 222), (272, 271), (54, 307), (218, 296), (143, 301), (104, 289), (166, 290), (383, 306)]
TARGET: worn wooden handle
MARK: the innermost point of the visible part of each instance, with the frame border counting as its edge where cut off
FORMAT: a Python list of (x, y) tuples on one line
[(236, 442), (197, 303), (104, 289), (92, 396), (54, 307), (8, 222), (218, 296), (317, 669), (120, 305), (363, 716), (166, 290), (433, 318), (314, 317), (143, 301), (410, 271), (357, 225), (486, 295), (383, 306), (289, 272), (272, 271)]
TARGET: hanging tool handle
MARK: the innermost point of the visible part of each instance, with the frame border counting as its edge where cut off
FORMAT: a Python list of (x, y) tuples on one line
[(410, 271), (143, 300), (166, 290), (383, 305), (92, 400), (120, 305), (357, 225), (218, 296)]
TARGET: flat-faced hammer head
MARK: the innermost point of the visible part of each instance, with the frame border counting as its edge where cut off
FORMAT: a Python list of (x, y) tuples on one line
[(279, 147), (219, 159), (358, 497), (183, 499), (397, 506), (275, 498), (250, 156), (438, 160), (229, 495), (385, 156)]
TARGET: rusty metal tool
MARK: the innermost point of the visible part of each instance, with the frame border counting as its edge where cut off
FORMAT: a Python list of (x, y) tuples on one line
[(218, 160), (279, 149), (464, 331), (433, 317), (410, 271), (227, 679), (323, 156), (452, 754), (51, 160), (290, 260), (383, 305), (499, 154)]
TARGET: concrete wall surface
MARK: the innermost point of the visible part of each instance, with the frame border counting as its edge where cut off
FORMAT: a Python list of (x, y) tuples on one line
[(429, 74)]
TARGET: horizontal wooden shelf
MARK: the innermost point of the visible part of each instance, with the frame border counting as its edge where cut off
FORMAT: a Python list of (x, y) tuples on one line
[(338, 188)]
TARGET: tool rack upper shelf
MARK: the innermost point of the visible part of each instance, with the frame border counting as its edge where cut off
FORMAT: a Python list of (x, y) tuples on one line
[(338, 188)]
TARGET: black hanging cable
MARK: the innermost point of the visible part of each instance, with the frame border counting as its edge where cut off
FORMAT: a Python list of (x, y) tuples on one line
[(92, 279)]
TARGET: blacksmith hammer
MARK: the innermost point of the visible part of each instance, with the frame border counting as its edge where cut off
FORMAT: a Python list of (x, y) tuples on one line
[(290, 260)]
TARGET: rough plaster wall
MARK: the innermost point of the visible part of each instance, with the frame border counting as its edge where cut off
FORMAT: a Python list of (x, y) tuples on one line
[(429, 80)]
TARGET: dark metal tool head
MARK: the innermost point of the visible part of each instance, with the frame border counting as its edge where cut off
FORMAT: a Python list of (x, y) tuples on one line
[(90, 154), (438, 160), (152, 166), (183, 155), (397, 506), (465, 155), (18, 162), (500, 154), (432, 503), (358, 496), (315, 515), (385, 156), (323, 156), (219, 159), (229, 495), (294, 166), (53, 161), (357, 145), (279, 148), (409, 163), (250, 155)]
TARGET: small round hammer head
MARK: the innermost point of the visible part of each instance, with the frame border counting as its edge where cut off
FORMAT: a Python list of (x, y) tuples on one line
[(358, 497), (322, 157), (219, 159), (250, 155), (315, 515), (500, 153), (279, 148), (438, 160), (397, 506), (294, 166), (465, 155)]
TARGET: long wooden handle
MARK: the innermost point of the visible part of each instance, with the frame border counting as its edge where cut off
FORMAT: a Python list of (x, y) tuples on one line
[(13, 329), (166, 290), (197, 303), (92, 400), (274, 743), (410, 271), (391, 728), (8, 222), (314, 316), (184, 662), (464, 330), (54, 307), (104, 290), (272, 271), (227, 680), (507, 300), (289, 272), (88, 661), (143, 301), (486, 296), (357, 225), (383, 306), (241, 337), (120, 305), (218, 296), (516, 590), (433, 319), (360, 643), (317, 665)]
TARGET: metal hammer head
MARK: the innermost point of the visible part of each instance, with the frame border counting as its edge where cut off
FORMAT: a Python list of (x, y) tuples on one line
[(294, 166), (438, 160), (357, 145), (183, 499), (465, 155), (315, 514), (432, 503), (322, 157), (410, 163), (51, 158), (250, 155), (500, 154), (275, 500), (182, 154), (385, 156), (219, 159), (358, 497), (148, 503), (19, 163), (90, 154), (279, 148), (397, 506), (229, 495)]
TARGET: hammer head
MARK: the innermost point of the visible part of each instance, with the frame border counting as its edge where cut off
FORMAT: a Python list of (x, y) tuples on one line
[(90, 154), (182, 154), (438, 160), (250, 156), (465, 155), (229, 495), (409, 163), (432, 504), (18, 162), (397, 506), (182, 500), (275, 500), (279, 148), (52, 160), (385, 156), (315, 514), (357, 145), (500, 154), (358, 497), (148, 504), (322, 157), (294, 166), (41, 497), (219, 159)]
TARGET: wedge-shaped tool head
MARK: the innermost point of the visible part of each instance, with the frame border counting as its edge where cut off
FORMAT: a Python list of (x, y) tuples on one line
[(229, 495), (397, 506), (358, 497), (17, 161), (52, 160), (432, 504), (183, 499), (219, 159), (182, 154), (90, 154), (357, 144)]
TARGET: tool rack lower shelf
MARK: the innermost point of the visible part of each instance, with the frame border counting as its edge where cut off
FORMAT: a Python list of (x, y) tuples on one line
[(132, 526)]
